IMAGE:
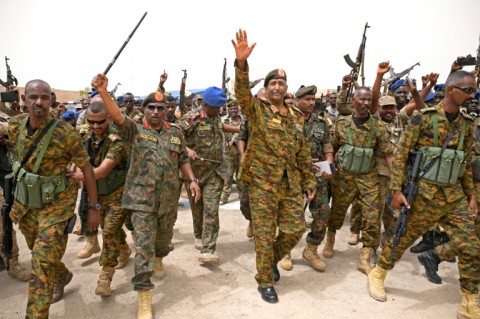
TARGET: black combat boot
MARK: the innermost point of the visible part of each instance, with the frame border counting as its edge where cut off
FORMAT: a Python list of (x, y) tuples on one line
[(425, 244), (430, 261)]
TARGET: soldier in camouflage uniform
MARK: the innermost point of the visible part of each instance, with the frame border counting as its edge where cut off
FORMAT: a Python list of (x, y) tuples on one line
[(240, 141), (129, 110), (359, 139), (432, 258), (321, 150), (157, 153), (43, 217), (277, 167), (232, 157), (204, 135), (109, 156), (441, 195)]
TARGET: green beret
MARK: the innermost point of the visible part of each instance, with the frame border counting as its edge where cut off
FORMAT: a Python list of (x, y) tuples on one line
[(306, 90), (155, 97), (274, 74)]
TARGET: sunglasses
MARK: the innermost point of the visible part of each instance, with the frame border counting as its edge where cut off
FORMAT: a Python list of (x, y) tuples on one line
[(91, 122), (468, 90), (152, 108)]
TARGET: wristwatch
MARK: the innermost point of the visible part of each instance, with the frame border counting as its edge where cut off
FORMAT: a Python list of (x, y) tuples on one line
[(96, 206), (194, 180)]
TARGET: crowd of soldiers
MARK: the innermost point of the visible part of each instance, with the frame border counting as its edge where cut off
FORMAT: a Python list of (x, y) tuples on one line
[(284, 151)]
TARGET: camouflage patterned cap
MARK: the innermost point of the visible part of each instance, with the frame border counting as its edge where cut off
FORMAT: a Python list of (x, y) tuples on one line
[(306, 90), (274, 74), (155, 97), (387, 100)]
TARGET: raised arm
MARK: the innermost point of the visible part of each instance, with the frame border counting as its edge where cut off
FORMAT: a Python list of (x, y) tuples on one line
[(100, 82)]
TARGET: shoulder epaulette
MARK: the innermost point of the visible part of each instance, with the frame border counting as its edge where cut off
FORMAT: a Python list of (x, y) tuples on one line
[(175, 125), (428, 109), (296, 109), (113, 137)]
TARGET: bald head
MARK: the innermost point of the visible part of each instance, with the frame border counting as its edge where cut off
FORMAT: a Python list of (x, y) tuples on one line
[(37, 83)]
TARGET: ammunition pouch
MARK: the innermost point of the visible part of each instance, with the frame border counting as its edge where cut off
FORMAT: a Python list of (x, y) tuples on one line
[(35, 191), (112, 182), (449, 166), (356, 159)]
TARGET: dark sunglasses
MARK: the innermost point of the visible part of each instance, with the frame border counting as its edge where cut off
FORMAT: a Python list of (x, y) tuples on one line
[(468, 90), (91, 122), (152, 108)]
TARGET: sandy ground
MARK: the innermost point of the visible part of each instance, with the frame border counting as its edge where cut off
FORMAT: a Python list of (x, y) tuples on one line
[(229, 290)]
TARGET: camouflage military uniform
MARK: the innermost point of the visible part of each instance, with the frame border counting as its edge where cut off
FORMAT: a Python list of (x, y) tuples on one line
[(242, 187), (151, 191), (113, 216), (277, 168), (446, 204), (346, 186), (205, 136), (232, 157), (319, 142), (44, 229), (135, 115)]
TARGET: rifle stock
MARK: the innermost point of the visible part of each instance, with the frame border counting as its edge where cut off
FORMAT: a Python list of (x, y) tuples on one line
[(410, 191), (7, 234)]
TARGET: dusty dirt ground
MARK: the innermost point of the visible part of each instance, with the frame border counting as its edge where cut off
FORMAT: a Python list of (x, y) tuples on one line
[(229, 290)]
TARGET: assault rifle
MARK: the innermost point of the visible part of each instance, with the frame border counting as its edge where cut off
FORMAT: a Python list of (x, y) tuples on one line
[(112, 92), (181, 104), (7, 234), (255, 82), (358, 61), (225, 79), (11, 80), (409, 191), (394, 77)]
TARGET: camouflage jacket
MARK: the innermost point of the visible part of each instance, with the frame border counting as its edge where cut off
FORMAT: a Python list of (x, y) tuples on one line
[(318, 138), (135, 115), (230, 149), (419, 133), (205, 136), (360, 136), (65, 147), (277, 143), (154, 163)]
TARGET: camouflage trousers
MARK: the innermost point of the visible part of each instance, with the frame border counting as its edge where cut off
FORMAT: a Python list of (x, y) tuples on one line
[(113, 217), (281, 207), (387, 214), (48, 245), (244, 200), (206, 223), (154, 231), (456, 218), (233, 164), (346, 187), (320, 209)]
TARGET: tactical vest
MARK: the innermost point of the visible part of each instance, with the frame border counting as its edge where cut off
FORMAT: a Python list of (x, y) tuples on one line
[(357, 159), (450, 164), (34, 190), (114, 180)]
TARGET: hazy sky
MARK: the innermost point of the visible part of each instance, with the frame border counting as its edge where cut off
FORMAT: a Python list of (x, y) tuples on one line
[(66, 43)]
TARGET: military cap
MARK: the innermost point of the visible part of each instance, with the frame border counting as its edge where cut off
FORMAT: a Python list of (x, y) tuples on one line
[(120, 98), (199, 97), (397, 84), (155, 97), (232, 102), (439, 87), (169, 97), (429, 97), (138, 101), (306, 90), (188, 94), (387, 100), (274, 74), (214, 97), (68, 115), (288, 95), (477, 95)]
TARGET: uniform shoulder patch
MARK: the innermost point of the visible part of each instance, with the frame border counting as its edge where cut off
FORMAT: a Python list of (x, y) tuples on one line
[(428, 109), (416, 119), (114, 137)]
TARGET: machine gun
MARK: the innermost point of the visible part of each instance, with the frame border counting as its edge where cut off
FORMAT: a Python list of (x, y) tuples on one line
[(410, 191), (358, 61), (225, 78), (181, 104), (11, 80), (394, 77), (7, 234)]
